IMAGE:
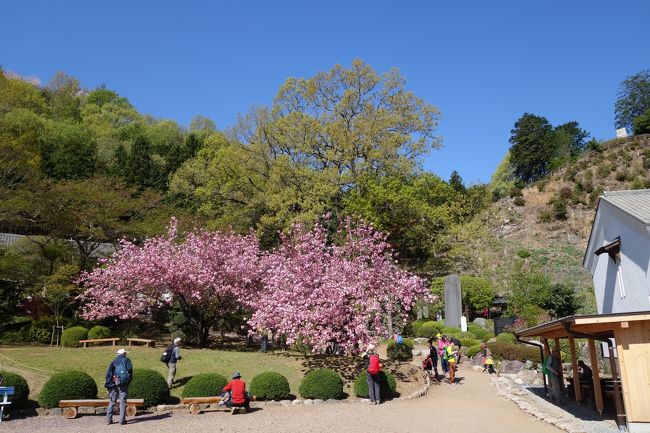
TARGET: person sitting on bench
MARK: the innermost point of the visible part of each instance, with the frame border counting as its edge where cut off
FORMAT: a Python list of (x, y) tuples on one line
[(585, 371), (236, 389)]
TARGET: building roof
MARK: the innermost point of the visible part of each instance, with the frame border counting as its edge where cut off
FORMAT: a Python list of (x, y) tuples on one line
[(636, 203), (601, 325)]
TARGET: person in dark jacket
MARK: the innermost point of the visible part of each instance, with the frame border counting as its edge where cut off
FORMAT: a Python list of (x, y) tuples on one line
[(173, 359), (237, 390), (433, 354), (118, 378)]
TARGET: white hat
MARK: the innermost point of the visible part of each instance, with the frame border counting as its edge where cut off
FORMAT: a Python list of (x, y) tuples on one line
[(371, 347), (177, 340), (121, 352)]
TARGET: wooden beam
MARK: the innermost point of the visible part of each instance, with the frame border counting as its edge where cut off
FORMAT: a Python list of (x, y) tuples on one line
[(625, 324), (611, 319), (598, 394), (574, 366)]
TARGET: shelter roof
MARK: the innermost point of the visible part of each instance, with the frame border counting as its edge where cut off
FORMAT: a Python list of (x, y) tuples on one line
[(601, 325)]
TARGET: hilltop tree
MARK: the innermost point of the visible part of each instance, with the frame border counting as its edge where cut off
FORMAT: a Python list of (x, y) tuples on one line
[(633, 99), (532, 147), (456, 182)]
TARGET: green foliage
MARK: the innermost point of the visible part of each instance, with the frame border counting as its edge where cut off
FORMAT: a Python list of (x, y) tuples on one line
[(270, 386), (387, 385), (642, 123), (478, 331), (523, 253), (545, 216), (150, 386), (400, 352), (473, 350), (514, 352), (21, 389), (97, 332), (204, 385), (633, 99), (67, 385), (560, 211), (506, 337), (428, 329), (502, 180), (519, 201), (448, 330), (322, 384), (71, 336), (531, 152), (561, 301)]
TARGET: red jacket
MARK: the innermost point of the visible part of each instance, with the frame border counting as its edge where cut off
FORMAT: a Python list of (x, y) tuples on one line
[(238, 389)]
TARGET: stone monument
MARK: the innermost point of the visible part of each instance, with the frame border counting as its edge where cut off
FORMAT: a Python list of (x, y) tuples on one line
[(453, 301)]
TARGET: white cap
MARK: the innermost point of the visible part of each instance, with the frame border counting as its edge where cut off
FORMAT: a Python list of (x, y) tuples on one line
[(177, 340), (121, 352), (371, 347)]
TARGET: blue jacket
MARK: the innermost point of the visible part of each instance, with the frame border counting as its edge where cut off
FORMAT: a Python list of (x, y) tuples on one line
[(111, 371)]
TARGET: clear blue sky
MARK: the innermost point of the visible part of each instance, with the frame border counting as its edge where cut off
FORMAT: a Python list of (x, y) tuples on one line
[(482, 63)]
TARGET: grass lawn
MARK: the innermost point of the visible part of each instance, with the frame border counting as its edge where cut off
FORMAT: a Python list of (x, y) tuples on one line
[(37, 363)]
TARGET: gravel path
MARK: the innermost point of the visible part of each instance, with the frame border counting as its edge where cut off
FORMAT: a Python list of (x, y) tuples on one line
[(473, 405)]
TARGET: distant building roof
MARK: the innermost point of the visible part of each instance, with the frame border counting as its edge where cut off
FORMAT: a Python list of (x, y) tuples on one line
[(636, 203)]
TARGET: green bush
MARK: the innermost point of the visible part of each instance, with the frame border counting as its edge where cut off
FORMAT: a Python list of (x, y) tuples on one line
[(478, 331), (514, 352), (71, 336), (545, 216), (473, 350), (450, 330), (323, 384), (67, 385), (400, 352), (387, 385), (97, 332), (149, 385), (487, 337), (412, 328), (560, 211), (21, 389), (270, 386), (428, 329), (204, 385), (506, 337)]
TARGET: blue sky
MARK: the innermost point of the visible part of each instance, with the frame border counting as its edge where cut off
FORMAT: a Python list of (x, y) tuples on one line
[(482, 63)]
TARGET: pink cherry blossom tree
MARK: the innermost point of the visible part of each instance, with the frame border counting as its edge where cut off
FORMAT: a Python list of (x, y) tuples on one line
[(207, 273), (350, 291)]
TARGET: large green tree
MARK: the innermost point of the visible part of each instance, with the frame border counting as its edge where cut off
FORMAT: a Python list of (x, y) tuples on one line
[(532, 147), (633, 99)]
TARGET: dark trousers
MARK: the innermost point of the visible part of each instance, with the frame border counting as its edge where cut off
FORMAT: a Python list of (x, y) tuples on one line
[(373, 387), (114, 393)]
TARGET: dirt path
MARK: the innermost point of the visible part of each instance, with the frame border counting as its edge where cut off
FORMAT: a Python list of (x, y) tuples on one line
[(468, 407)]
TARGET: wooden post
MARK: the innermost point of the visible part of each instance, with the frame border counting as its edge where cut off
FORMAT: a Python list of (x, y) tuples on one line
[(598, 394), (558, 354), (620, 411), (577, 388)]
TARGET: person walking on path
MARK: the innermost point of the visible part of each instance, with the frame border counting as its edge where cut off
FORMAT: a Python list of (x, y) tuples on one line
[(433, 354), (452, 357), (237, 390), (442, 343), (174, 357), (373, 368), (118, 377)]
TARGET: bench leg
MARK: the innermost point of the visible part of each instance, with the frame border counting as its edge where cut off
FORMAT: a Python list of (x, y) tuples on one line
[(131, 410), (2, 412), (70, 412), (195, 409)]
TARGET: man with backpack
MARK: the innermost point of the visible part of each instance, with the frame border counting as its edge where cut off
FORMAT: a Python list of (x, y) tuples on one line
[(171, 356), (118, 377), (373, 368)]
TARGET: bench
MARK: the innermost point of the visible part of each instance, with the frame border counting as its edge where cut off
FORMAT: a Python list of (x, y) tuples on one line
[(196, 402), (5, 391), (99, 340), (70, 407), (146, 342)]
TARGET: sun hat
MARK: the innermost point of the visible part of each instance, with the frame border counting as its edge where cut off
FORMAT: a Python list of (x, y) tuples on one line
[(236, 375), (371, 347), (121, 352), (177, 340)]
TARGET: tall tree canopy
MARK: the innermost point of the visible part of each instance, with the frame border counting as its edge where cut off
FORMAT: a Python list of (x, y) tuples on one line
[(633, 99)]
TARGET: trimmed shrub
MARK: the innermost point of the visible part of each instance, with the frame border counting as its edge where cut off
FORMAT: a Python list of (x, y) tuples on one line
[(450, 330), (323, 384), (387, 385), (270, 386), (560, 210), (428, 329), (204, 385), (487, 337), (67, 385), (97, 332), (506, 337), (473, 350), (149, 385), (71, 336), (514, 352), (413, 328), (400, 352), (21, 391), (478, 331)]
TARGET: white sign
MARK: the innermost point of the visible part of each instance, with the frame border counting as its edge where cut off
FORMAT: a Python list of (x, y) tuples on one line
[(621, 133)]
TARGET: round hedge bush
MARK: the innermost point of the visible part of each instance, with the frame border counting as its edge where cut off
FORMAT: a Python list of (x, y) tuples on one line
[(400, 352), (21, 389), (270, 386), (387, 385), (71, 336), (149, 385), (473, 350), (97, 332), (204, 385), (428, 329), (323, 384), (507, 337), (67, 385)]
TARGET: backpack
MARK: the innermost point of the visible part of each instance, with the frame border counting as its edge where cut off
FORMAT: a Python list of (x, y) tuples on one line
[(399, 340), (373, 364), (167, 355), (121, 372)]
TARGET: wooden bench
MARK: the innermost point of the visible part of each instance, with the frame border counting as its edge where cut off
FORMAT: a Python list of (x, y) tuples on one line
[(100, 340), (146, 342), (5, 391), (196, 402), (70, 407)]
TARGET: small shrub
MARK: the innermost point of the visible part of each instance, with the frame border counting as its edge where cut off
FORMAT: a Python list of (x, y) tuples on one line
[(487, 337), (541, 185), (523, 253), (400, 352), (71, 336), (469, 342), (545, 216), (646, 162), (473, 350), (621, 175), (514, 352), (519, 201), (387, 385), (603, 170), (97, 332), (565, 192), (637, 184), (506, 337), (428, 329), (516, 192), (560, 210), (67, 385), (149, 385), (413, 328), (204, 385), (21, 389), (323, 384), (270, 386), (450, 330)]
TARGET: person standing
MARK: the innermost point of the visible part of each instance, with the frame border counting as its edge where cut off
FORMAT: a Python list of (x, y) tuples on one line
[(118, 377), (442, 344), (174, 357), (373, 368), (433, 354), (452, 357)]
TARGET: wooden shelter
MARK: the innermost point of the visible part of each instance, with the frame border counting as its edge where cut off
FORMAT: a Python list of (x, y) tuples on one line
[(629, 389)]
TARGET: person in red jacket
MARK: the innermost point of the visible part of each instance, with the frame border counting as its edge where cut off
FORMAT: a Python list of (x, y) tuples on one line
[(237, 390)]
